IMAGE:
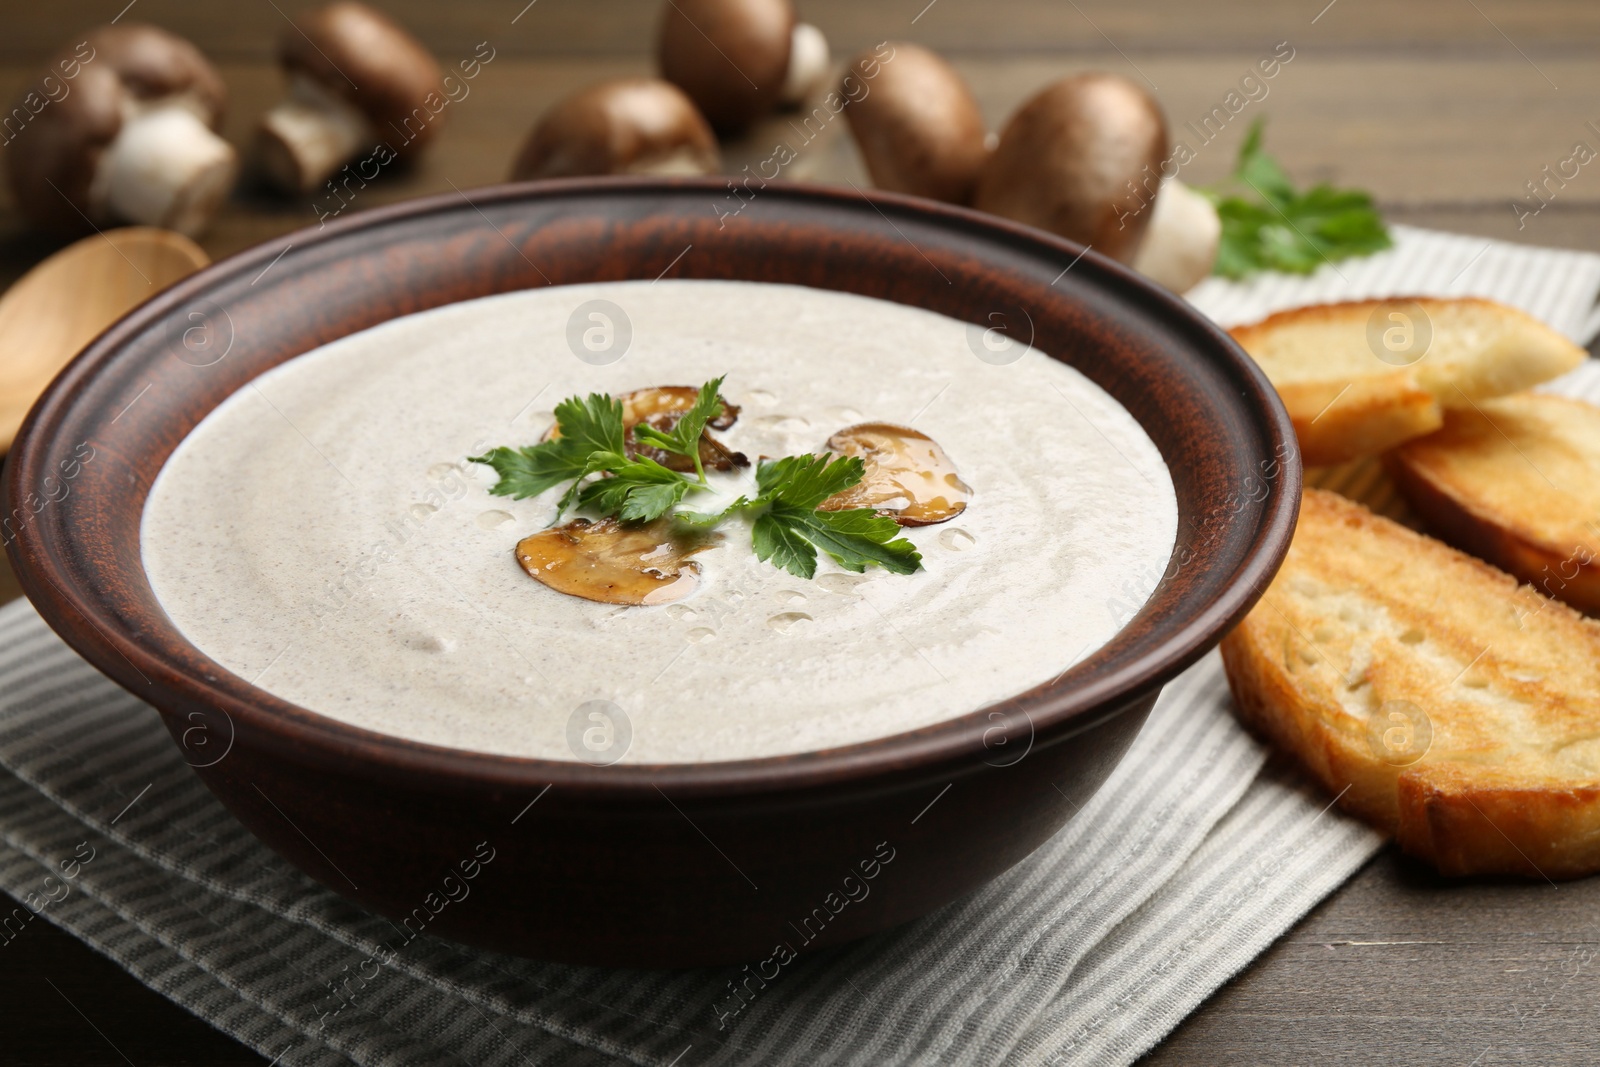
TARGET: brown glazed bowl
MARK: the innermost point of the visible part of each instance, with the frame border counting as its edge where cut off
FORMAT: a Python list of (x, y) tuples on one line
[(650, 865)]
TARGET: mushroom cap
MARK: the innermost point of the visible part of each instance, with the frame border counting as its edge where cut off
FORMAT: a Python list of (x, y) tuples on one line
[(918, 127), (730, 56), (130, 62), (361, 55), (1066, 159), (616, 127)]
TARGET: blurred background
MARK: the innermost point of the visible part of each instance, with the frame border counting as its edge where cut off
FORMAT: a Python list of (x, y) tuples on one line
[(1444, 109), (1447, 111)]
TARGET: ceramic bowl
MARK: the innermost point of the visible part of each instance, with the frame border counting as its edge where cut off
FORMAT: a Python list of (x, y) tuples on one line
[(651, 865)]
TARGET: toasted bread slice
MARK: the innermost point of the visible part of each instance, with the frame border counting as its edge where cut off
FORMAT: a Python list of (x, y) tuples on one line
[(1436, 697), (1515, 481), (1347, 401)]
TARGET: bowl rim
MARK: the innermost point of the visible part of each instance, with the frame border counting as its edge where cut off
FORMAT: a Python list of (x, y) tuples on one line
[(1068, 708)]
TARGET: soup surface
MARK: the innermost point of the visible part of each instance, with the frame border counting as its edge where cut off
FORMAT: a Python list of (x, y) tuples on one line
[(322, 534)]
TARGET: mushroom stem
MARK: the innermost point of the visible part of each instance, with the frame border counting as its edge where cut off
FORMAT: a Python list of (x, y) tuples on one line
[(309, 135), (1180, 246), (166, 168), (808, 63), (679, 163)]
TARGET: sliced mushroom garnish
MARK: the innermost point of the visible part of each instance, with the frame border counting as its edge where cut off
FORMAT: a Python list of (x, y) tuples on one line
[(661, 407), (714, 455), (663, 400), (908, 476), (613, 563)]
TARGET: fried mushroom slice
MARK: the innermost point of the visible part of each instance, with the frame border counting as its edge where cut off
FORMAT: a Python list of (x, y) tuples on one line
[(661, 407), (615, 563), (642, 404), (908, 476)]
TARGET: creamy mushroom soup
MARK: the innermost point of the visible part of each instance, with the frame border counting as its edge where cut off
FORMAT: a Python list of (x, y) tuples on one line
[(323, 534)]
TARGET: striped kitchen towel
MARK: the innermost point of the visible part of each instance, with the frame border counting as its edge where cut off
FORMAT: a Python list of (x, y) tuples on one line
[(1554, 285), (166, 882), (1192, 859)]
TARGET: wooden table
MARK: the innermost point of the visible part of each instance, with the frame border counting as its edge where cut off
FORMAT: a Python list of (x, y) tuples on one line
[(1443, 108)]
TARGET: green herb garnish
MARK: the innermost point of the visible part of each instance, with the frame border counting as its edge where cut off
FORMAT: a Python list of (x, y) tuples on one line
[(587, 426), (634, 490), (786, 529), (1273, 227), (591, 442), (684, 438)]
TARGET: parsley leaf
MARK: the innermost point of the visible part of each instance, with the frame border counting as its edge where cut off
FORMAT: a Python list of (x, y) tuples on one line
[(1260, 171), (591, 425), (684, 438), (1273, 227), (706, 520), (586, 427), (790, 529), (806, 481), (636, 491), (782, 545), (529, 471), (787, 528), (856, 539)]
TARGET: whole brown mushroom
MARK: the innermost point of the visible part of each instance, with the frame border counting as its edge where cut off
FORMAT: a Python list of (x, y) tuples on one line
[(129, 135), (623, 126), (917, 126), (1077, 160), (356, 78), (739, 59)]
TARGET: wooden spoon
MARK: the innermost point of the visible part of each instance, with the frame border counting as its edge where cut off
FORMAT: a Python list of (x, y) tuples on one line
[(65, 302)]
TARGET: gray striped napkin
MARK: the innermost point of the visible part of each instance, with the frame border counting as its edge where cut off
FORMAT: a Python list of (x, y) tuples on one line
[(1187, 864)]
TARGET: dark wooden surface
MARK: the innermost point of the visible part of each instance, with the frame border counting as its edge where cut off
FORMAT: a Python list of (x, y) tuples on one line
[(1444, 108)]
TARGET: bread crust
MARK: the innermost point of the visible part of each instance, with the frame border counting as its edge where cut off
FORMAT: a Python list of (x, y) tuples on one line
[(1367, 617), (1515, 482), (1336, 424), (1346, 402)]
